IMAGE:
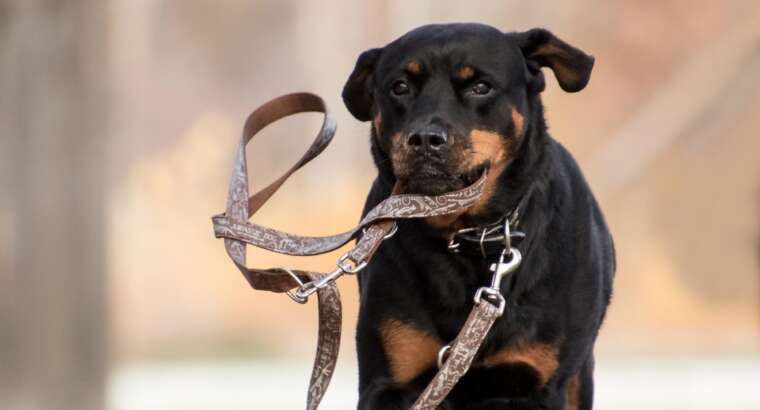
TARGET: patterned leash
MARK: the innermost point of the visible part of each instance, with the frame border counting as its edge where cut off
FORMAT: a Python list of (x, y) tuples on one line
[(379, 224)]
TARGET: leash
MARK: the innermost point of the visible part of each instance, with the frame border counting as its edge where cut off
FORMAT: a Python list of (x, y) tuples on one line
[(378, 225)]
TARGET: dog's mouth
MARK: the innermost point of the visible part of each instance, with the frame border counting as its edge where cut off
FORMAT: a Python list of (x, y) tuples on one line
[(429, 180), (474, 173)]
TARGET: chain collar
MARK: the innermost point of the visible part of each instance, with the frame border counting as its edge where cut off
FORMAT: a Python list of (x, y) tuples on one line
[(491, 239)]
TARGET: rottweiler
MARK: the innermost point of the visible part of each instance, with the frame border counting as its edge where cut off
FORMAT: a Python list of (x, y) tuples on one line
[(446, 103)]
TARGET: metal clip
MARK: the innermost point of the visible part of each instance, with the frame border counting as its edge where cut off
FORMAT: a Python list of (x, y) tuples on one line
[(453, 243), (500, 269), (344, 265)]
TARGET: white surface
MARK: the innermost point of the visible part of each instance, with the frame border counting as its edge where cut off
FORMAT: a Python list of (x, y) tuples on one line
[(672, 384)]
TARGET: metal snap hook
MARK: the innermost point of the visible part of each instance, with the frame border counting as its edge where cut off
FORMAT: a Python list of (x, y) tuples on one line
[(500, 269)]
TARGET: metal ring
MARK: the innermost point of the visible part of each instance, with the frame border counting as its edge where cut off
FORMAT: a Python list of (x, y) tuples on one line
[(443, 354), (356, 268), (507, 236), (388, 235), (392, 232), (295, 295), (483, 238), (494, 293)]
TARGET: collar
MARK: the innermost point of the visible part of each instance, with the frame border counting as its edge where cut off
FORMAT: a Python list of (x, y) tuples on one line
[(493, 238)]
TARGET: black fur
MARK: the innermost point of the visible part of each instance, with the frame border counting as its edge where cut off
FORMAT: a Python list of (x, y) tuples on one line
[(559, 294)]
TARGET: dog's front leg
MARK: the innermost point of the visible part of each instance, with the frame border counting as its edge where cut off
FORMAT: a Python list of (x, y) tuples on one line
[(384, 394)]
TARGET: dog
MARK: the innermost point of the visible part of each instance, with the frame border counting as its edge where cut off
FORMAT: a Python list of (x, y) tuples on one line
[(447, 103)]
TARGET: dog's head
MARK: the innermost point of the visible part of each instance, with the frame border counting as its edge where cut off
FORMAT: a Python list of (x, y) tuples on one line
[(448, 101)]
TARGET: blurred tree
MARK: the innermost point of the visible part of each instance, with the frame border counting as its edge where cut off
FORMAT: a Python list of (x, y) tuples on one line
[(52, 280)]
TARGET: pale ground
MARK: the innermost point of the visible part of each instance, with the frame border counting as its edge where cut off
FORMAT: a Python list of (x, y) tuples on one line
[(668, 384)]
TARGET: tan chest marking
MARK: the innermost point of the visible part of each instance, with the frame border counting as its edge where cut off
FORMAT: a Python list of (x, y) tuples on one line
[(541, 357), (410, 351)]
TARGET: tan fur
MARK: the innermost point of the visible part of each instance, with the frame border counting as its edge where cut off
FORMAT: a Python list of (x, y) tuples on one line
[(413, 67), (465, 73), (517, 119), (541, 357), (573, 393), (487, 146), (396, 151), (560, 70), (410, 350), (377, 122)]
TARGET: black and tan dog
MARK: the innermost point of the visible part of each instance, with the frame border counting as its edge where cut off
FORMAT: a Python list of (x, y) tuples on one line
[(447, 102)]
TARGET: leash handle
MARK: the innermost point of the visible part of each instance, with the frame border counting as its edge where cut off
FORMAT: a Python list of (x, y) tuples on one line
[(240, 206), (237, 231)]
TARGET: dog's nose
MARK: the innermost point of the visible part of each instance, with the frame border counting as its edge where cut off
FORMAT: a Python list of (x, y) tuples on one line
[(429, 139)]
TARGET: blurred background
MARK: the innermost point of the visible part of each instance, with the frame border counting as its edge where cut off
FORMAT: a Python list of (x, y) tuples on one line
[(118, 121)]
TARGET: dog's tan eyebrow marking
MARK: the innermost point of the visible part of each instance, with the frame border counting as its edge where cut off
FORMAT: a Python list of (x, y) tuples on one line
[(410, 350), (465, 73), (413, 67)]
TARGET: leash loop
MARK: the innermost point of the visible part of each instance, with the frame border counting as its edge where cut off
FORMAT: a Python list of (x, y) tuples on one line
[(377, 225)]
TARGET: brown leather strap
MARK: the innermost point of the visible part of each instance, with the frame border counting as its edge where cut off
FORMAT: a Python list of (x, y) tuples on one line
[(328, 344), (463, 350), (237, 231), (233, 225)]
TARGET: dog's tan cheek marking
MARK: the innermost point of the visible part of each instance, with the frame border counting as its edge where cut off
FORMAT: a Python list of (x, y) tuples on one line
[(465, 73), (377, 122), (487, 145), (573, 393), (539, 356), (410, 351), (413, 67), (517, 120), (396, 154)]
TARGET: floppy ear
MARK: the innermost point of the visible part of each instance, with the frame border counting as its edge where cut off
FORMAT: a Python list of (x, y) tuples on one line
[(541, 48), (357, 94)]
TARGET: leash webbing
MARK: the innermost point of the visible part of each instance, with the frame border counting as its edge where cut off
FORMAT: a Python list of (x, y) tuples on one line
[(377, 225)]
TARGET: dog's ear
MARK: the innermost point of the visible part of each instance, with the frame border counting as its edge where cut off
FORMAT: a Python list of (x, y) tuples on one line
[(357, 93), (541, 48)]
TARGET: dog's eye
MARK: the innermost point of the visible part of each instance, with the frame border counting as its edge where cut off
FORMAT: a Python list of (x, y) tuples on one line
[(481, 88), (400, 88)]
